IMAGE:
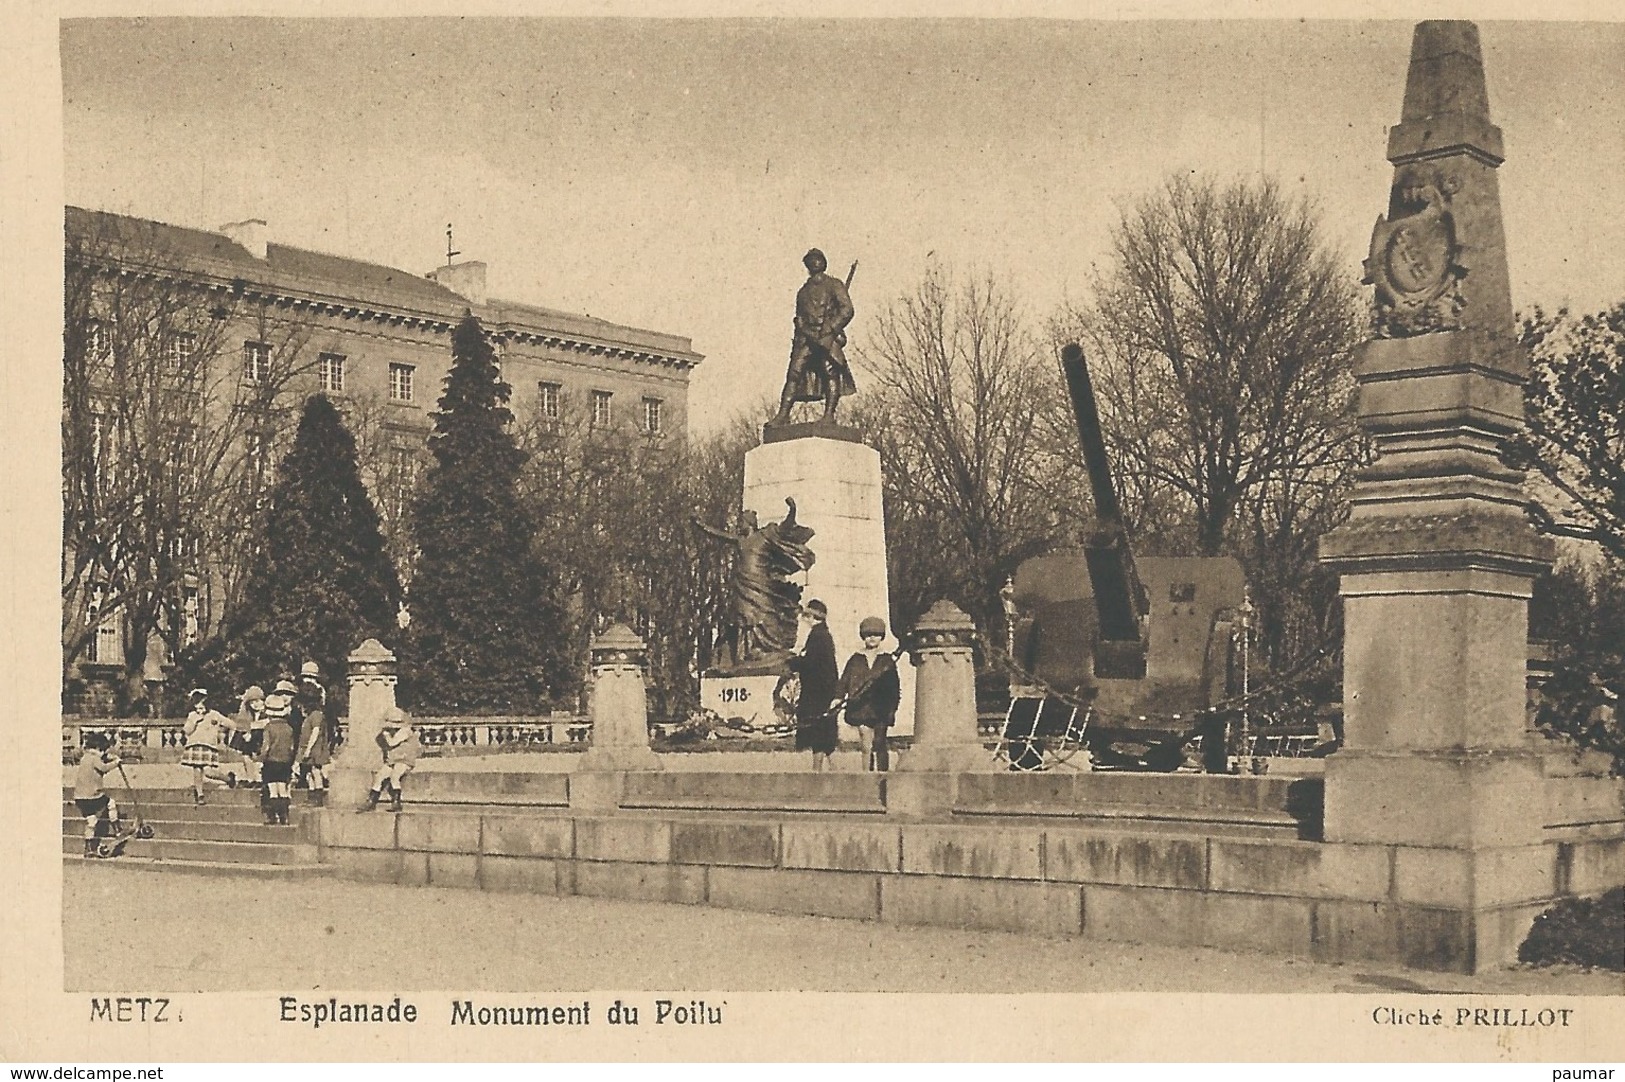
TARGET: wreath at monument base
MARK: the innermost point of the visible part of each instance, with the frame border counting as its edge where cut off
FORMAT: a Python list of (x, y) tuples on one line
[(786, 693)]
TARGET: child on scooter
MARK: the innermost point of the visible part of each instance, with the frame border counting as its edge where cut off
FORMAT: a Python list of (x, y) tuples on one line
[(89, 795)]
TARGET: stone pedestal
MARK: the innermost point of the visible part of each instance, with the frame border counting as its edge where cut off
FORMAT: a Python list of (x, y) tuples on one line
[(1436, 559), (945, 735), (749, 699), (836, 484), (372, 678), (618, 708)]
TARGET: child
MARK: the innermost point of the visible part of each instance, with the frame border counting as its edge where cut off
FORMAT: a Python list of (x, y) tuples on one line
[(871, 689), (399, 743), (277, 752), (202, 728), (315, 740), (250, 727), (92, 800)]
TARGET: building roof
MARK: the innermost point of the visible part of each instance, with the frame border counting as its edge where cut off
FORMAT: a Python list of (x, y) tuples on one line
[(319, 275)]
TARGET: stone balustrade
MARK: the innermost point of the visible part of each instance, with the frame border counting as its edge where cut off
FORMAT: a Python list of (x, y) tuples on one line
[(139, 740), (501, 734), (161, 740)]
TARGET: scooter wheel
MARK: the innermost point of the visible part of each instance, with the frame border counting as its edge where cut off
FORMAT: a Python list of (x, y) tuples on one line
[(144, 831), (104, 850)]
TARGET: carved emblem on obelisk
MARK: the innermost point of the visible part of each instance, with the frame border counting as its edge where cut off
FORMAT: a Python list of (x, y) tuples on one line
[(1413, 260)]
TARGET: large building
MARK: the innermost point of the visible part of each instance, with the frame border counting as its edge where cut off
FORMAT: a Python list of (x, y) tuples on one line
[(376, 339)]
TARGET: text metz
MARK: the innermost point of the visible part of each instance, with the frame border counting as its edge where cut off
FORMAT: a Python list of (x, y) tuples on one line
[(129, 1009)]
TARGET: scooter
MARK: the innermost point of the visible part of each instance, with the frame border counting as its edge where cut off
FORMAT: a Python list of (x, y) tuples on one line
[(113, 845)]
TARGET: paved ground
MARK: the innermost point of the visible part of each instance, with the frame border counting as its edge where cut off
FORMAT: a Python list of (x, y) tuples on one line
[(123, 929)]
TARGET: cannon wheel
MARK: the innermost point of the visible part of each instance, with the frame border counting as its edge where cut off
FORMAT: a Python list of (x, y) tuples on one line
[(1041, 734)]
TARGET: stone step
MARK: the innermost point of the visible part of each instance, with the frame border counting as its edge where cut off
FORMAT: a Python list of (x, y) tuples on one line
[(203, 867), (481, 787), (1144, 819), (225, 852), (193, 830), (191, 813), (215, 795), (1215, 802)]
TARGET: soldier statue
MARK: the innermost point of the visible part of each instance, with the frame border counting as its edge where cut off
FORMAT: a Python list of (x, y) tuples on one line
[(818, 370)]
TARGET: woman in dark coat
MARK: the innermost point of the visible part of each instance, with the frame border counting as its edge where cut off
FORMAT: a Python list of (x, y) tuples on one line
[(816, 725)]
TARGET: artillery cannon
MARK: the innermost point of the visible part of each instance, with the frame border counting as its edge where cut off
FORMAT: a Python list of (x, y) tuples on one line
[(1146, 643)]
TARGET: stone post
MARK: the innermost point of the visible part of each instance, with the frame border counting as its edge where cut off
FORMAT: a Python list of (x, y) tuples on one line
[(372, 679), (1437, 559), (619, 712), (946, 742)]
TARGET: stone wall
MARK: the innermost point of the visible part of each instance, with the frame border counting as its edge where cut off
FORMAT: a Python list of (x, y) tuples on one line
[(1181, 859)]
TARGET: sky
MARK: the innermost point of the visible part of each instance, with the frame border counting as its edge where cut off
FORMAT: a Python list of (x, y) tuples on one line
[(669, 174)]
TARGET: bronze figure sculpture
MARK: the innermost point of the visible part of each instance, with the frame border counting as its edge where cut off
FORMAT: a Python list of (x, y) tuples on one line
[(818, 369), (765, 604)]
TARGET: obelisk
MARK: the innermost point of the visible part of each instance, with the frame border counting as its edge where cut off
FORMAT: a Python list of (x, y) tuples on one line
[(1437, 558)]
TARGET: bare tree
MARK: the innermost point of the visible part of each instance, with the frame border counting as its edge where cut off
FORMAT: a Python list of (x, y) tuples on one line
[(1575, 439), (1221, 337), (958, 379), (1222, 334), (613, 508), (392, 458), (168, 436)]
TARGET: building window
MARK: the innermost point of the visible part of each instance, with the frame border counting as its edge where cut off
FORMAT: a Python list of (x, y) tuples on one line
[(179, 349), (256, 362), (330, 372), (652, 420), (550, 400), (98, 341), (257, 455), (400, 382), (104, 429), (190, 614), (403, 480), (601, 415), (187, 437), (104, 646)]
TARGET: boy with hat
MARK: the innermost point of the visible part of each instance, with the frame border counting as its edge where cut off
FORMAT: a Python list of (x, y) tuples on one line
[(277, 751), (399, 743)]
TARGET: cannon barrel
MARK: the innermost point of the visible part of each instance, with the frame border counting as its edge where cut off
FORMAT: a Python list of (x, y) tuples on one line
[(1090, 437), (1119, 596)]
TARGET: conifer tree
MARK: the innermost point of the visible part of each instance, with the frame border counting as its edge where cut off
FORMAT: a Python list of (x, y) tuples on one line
[(482, 630), (322, 581)]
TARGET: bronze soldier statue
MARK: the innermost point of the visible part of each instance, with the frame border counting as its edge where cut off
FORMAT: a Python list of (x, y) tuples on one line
[(818, 369)]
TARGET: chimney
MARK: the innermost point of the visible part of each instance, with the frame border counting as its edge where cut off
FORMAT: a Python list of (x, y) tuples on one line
[(466, 279), (252, 234)]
